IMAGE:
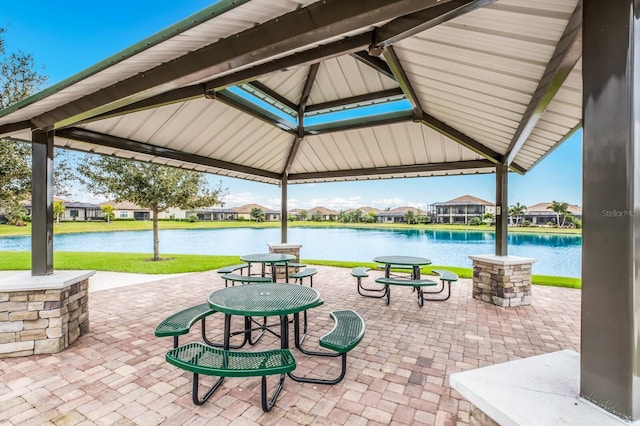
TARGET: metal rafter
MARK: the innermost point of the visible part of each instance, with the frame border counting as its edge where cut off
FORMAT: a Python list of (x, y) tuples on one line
[(359, 123), (374, 62), (565, 57), (14, 127), (295, 30), (341, 47), (272, 93), (403, 80), (414, 23), (461, 138), (266, 116), (304, 98), (410, 169), (355, 99), (102, 139)]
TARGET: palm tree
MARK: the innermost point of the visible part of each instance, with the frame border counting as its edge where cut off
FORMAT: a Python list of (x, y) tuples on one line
[(58, 209), (517, 210), (561, 208), (488, 217), (107, 209)]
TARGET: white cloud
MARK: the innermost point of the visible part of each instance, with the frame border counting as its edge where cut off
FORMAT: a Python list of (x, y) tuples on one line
[(383, 203), (239, 199), (335, 203)]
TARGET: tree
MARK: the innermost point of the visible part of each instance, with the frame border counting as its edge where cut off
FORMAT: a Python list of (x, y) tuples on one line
[(15, 212), (409, 217), (257, 214), (303, 215), (317, 216), (560, 208), (58, 209), (107, 210), (517, 210), (19, 79), (488, 218), (148, 185)]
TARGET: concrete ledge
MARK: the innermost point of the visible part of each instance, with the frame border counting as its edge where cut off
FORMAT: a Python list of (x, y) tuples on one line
[(23, 280), (284, 246), (540, 390), (502, 260)]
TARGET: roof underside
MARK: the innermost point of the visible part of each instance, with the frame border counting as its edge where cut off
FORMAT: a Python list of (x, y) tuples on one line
[(269, 90)]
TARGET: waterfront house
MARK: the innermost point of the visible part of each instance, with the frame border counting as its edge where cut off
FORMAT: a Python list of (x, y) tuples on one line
[(398, 214), (219, 213), (75, 210), (127, 210), (461, 210), (541, 214), (322, 213), (244, 212)]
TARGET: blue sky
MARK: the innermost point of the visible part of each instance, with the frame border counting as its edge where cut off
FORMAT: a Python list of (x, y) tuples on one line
[(67, 37)]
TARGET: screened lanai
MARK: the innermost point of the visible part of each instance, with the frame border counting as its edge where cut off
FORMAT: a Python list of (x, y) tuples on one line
[(292, 92)]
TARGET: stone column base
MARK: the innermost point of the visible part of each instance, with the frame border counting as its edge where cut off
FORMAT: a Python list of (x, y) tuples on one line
[(43, 315), (286, 248), (502, 280)]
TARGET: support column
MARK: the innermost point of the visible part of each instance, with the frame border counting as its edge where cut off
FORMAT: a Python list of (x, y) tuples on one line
[(610, 351), (42, 203), (502, 209), (283, 211)]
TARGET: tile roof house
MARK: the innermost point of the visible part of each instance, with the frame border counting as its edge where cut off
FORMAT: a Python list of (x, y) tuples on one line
[(397, 215), (461, 209), (244, 212), (75, 210), (541, 214)]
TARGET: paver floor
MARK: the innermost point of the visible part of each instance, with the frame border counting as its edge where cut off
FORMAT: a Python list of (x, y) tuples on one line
[(398, 375)]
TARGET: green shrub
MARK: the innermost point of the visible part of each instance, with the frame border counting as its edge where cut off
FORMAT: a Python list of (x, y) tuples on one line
[(475, 221), (526, 223), (192, 218)]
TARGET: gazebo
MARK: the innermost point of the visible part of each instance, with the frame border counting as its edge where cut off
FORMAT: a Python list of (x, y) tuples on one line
[(290, 92)]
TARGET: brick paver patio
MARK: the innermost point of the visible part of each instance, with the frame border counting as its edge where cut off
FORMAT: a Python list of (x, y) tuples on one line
[(398, 374)]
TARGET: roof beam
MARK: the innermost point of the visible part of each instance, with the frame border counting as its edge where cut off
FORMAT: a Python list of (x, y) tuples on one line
[(565, 57), (359, 123), (403, 80), (306, 26), (102, 139), (414, 23), (272, 93), (187, 93), (461, 138), (246, 107), (410, 169), (14, 127), (374, 62), (304, 98), (355, 99)]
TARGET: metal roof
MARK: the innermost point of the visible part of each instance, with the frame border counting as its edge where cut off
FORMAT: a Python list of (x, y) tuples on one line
[(487, 82)]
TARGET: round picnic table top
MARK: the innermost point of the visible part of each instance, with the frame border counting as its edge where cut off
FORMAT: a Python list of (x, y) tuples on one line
[(267, 257), (402, 260), (268, 299)]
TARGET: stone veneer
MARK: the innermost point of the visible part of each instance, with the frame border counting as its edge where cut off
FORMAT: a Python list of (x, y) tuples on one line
[(286, 248), (43, 315), (502, 280)]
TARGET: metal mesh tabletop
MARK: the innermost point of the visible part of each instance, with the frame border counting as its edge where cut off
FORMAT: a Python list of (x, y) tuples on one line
[(402, 260), (267, 257), (264, 299)]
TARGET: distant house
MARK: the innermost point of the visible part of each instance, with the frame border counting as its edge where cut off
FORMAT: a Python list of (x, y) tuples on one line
[(325, 213), (397, 215), (541, 214), (128, 210), (74, 210), (214, 214), (244, 212), (461, 209)]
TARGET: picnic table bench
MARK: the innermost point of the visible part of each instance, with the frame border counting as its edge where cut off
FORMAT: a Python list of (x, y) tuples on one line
[(202, 359), (305, 273), (346, 334), (416, 284), (235, 278)]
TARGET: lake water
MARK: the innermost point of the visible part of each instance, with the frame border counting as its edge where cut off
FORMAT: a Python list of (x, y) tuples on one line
[(556, 254)]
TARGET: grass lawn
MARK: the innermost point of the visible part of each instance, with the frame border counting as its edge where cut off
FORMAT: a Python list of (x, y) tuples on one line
[(73, 227), (181, 263)]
